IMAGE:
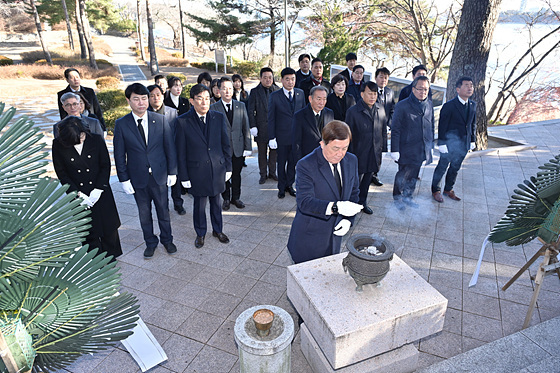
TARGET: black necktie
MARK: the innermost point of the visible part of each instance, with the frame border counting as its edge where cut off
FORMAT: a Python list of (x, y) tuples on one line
[(290, 96), (317, 116), (141, 129), (466, 105), (228, 107), (337, 179)]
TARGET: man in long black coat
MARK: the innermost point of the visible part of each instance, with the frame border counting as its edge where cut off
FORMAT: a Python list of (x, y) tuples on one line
[(316, 78)]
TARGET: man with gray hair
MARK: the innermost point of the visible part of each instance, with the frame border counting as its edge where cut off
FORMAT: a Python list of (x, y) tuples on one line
[(71, 103), (308, 123)]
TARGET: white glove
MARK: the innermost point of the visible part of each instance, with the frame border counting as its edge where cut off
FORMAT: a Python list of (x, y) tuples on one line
[(473, 145), (186, 184), (85, 200), (247, 153), (228, 175), (94, 196), (171, 180), (443, 149), (348, 208), (342, 227), (254, 131), (127, 187), (104, 134), (395, 156), (272, 144)]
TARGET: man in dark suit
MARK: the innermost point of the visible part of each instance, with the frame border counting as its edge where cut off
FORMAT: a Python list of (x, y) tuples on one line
[(356, 82), (351, 59), (367, 138), (315, 79), (258, 121), (161, 81), (417, 71), (172, 97), (146, 165), (282, 105), (71, 104), (412, 140), (72, 76), (327, 186), (304, 66), (204, 157), (240, 140), (456, 136), (309, 122)]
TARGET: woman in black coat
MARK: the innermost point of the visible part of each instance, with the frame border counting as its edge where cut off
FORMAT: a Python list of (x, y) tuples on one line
[(81, 160), (339, 101)]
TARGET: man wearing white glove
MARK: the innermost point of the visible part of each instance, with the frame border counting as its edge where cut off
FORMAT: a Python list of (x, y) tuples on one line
[(456, 136), (146, 163), (204, 157), (240, 140), (328, 188)]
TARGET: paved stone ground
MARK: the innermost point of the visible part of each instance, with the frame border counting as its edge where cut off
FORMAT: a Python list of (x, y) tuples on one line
[(190, 300)]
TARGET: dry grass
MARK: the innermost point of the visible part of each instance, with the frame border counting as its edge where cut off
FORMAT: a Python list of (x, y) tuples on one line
[(52, 72)]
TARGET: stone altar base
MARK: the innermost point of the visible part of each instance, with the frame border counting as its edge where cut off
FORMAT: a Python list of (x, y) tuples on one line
[(351, 327)]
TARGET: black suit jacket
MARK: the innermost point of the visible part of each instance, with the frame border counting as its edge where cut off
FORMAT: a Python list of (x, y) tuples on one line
[(307, 84), (306, 135), (280, 115), (367, 136), (455, 129), (335, 105), (300, 77), (184, 104), (345, 73), (258, 111), (354, 90), (90, 95), (406, 91)]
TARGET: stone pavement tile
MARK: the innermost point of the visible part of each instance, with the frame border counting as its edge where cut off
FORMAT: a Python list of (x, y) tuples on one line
[(161, 262), (134, 257), (169, 316), (244, 305), (299, 363), (180, 352), (482, 305), (165, 287), (236, 285), (450, 233), (545, 335), (471, 343), (140, 279), (481, 328), (453, 321), (118, 361), (239, 219), (448, 247), (443, 278), (202, 256), (226, 262), (454, 297), (446, 261), (426, 360), (396, 223), (87, 363), (417, 258), (265, 293), (238, 247), (284, 259), (547, 314), (513, 316), (160, 334), (484, 285), (419, 242), (148, 303), (487, 269), (548, 299), (443, 344), (200, 326), (276, 240), (209, 277), (192, 295), (473, 252), (251, 268), (396, 238), (418, 228), (514, 258), (546, 365), (213, 360), (517, 293), (506, 272), (275, 275), (254, 235), (265, 253), (236, 368), (185, 270), (219, 304), (224, 338)]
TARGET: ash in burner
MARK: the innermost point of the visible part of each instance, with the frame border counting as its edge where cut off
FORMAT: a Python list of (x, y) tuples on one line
[(370, 250)]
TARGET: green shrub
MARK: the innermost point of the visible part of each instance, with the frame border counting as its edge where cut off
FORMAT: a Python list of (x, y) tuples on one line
[(247, 68), (5, 61), (112, 115), (107, 82), (186, 93), (36, 55), (178, 75), (173, 62), (111, 99), (177, 54), (208, 66)]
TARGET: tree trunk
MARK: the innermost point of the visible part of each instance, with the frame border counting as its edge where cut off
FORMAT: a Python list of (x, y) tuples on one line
[(183, 45), (87, 35), (79, 26), (273, 32), (470, 56), (40, 32), (139, 27), (68, 26), (154, 68)]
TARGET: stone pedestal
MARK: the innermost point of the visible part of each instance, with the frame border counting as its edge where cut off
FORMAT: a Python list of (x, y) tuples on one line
[(350, 327)]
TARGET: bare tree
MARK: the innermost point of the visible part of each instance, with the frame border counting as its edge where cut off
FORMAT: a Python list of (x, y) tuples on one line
[(80, 27), (68, 26), (139, 29), (40, 32), (470, 56), (154, 68), (87, 35)]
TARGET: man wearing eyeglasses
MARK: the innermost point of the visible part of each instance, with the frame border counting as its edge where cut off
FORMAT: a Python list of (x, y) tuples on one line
[(412, 140), (72, 105)]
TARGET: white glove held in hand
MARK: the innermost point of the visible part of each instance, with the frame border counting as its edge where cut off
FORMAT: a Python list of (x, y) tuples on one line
[(94, 196), (186, 184), (473, 145), (171, 180), (127, 187), (342, 227), (348, 208), (247, 153), (395, 156), (228, 175), (272, 144), (85, 200), (443, 149), (254, 131)]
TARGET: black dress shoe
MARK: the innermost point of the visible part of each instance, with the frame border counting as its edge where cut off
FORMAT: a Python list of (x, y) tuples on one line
[(281, 195), (180, 210), (149, 252), (367, 210), (221, 236), (225, 205), (375, 181), (199, 242), (237, 203), (170, 247), (291, 191), (184, 190), (273, 177), (262, 180)]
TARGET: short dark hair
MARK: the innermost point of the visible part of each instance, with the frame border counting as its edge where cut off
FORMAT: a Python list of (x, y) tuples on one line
[(69, 130), (158, 77), (382, 70), (154, 86), (318, 88), (302, 56), (462, 79), (266, 70), (287, 71), (336, 130), (68, 71), (339, 78), (358, 67), (419, 67), (204, 76), (316, 59), (138, 88), (422, 77), (83, 98), (198, 89), (371, 85), (351, 56), (172, 80), (223, 79)]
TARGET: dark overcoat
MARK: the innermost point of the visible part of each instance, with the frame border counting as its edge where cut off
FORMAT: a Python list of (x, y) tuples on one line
[(306, 135), (307, 84), (280, 115), (90, 95), (457, 125), (258, 111), (336, 106)]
